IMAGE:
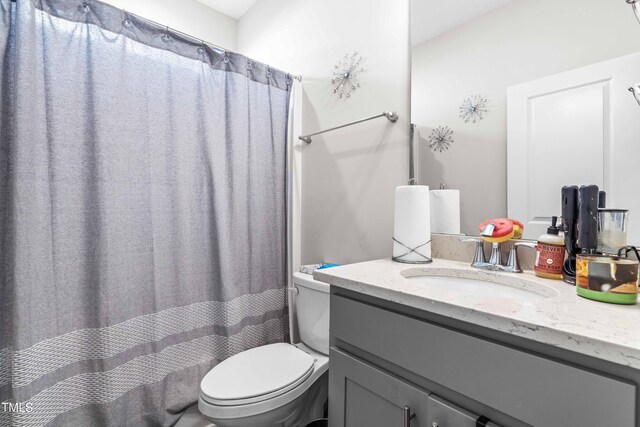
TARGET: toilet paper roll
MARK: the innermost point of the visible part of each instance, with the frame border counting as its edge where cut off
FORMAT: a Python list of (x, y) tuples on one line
[(412, 226), (445, 211)]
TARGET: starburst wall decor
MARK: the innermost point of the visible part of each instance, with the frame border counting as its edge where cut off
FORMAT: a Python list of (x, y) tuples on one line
[(345, 75), (440, 139), (473, 108)]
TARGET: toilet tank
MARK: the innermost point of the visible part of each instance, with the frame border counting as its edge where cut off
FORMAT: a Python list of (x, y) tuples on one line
[(312, 311)]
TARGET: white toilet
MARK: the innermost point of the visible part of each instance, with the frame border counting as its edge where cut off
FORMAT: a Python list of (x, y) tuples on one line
[(277, 384)]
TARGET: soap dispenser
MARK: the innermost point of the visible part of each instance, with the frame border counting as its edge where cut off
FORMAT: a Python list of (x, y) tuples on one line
[(550, 253)]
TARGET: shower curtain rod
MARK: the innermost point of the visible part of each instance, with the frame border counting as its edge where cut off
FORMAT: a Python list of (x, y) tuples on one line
[(297, 77), (392, 116)]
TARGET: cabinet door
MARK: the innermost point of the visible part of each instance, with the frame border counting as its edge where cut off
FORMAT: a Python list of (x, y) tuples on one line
[(362, 395)]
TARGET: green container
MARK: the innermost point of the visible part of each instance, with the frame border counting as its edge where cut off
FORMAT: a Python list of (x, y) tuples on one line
[(607, 279)]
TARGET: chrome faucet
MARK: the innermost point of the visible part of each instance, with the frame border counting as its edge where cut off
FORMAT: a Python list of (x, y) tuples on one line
[(495, 259)]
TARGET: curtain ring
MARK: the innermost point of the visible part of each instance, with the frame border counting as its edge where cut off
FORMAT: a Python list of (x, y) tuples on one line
[(203, 48), (166, 37), (126, 22)]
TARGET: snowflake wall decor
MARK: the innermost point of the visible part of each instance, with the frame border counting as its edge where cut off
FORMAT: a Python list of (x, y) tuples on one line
[(345, 75), (440, 139), (473, 108)]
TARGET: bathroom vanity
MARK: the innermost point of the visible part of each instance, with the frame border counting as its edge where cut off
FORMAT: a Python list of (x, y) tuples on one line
[(431, 347)]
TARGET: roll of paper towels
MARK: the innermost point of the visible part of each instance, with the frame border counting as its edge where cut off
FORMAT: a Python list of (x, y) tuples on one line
[(412, 226), (445, 211)]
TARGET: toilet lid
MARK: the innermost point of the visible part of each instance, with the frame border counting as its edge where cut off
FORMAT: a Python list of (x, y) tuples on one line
[(257, 374)]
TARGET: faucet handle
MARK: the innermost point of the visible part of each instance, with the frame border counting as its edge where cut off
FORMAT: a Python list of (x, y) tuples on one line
[(479, 257), (467, 239), (513, 264), (531, 245)]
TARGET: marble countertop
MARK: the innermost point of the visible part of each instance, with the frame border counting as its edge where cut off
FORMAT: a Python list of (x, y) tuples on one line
[(555, 315)]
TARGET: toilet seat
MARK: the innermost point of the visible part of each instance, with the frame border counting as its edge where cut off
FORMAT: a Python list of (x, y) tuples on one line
[(276, 402), (256, 375)]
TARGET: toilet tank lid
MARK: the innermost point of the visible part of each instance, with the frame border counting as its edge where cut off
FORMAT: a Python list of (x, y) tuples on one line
[(259, 371), (307, 280)]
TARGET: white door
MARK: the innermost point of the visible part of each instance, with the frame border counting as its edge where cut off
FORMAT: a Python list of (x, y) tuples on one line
[(574, 128)]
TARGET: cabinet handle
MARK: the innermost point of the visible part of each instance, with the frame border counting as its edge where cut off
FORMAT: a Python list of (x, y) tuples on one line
[(408, 416)]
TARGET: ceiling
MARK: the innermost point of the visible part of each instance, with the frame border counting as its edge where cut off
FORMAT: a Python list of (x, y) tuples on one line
[(232, 8), (430, 18)]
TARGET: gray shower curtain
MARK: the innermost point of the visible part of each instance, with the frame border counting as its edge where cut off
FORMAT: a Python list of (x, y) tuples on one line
[(142, 214)]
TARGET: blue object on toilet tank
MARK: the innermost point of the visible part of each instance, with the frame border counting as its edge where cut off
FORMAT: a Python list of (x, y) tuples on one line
[(310, 268), (323, 266)]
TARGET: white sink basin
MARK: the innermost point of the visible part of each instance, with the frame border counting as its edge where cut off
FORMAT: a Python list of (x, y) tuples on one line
[(481, 283)]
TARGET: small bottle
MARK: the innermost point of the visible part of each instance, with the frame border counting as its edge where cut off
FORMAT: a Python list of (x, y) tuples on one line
[(550, 253)]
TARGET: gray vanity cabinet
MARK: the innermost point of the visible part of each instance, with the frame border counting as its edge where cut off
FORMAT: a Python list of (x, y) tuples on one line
[(385, 356)]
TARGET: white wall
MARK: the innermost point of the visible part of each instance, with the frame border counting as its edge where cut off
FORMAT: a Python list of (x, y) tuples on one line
[(187, 16), (521, 41), (348, 176)]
